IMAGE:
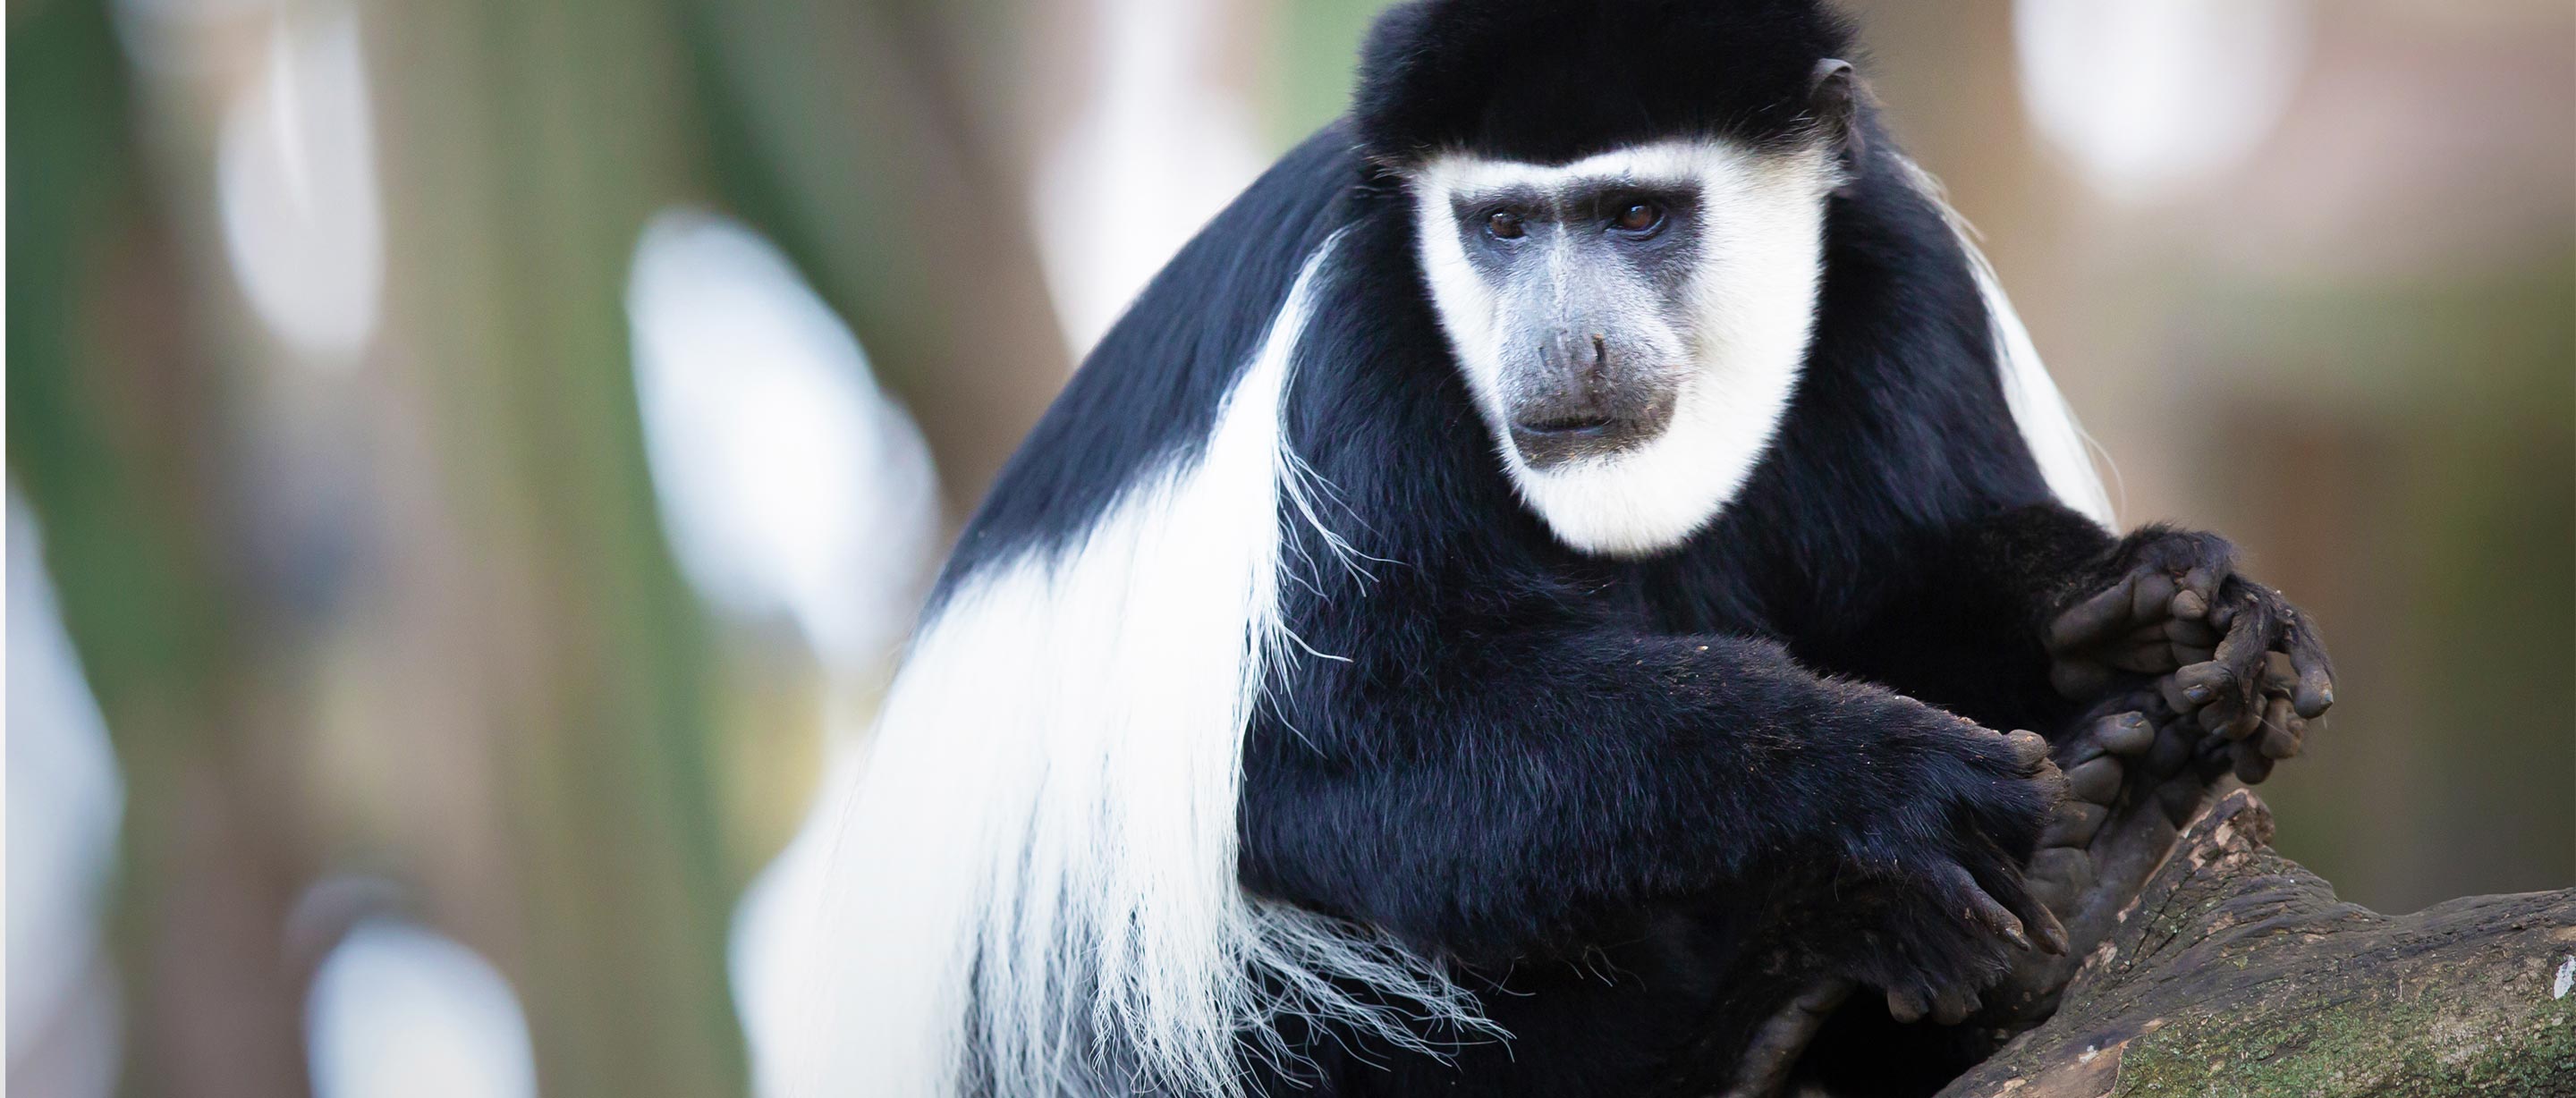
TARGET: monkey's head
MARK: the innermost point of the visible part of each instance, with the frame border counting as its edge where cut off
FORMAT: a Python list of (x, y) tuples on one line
[(1619, 208)]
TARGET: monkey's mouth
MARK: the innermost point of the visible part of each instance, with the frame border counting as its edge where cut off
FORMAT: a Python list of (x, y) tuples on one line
[(1547, 438), (1567, 425)]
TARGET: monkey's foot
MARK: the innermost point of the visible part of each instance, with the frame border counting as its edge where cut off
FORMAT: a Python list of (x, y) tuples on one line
[(2131, 785)]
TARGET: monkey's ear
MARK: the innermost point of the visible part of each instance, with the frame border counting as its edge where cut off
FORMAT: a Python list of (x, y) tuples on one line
[(1833, 100)]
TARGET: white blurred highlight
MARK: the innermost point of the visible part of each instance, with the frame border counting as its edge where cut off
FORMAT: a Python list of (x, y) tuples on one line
[(399, 1012), (65, 803), (1157, 149), (2148, 97), (789, 483), (295, 183)]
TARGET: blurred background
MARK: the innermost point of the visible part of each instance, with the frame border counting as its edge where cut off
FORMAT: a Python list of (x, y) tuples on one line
[(469, 461)]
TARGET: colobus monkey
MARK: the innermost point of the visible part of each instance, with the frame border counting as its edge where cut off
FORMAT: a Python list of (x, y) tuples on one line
[(1582, 517)]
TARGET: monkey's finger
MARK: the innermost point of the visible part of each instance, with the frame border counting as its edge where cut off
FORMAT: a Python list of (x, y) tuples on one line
[(2197, 634), (2058, 875), (2250, 764), (2154, 656), (2029, 748), (2278, 679), (1954, 1004), (2094, 620), (1907, 1005), (2213, 757), (1775, 1048), (2183, 691), (2201, 582), (2147, 701), (2152, 596), (2251, 635), (2180, 800), (2307, 652), (2190, 688), (2213, 720), (2073, 824), (2095, 782), (2172, 750), (1980, 908), (2044, 927), (2034, 923), (2124, 734), (2232, 720)]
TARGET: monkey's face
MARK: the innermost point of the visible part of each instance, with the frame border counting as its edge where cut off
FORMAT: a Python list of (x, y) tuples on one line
[(1631, 324)]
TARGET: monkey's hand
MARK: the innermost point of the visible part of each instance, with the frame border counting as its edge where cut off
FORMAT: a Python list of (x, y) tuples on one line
[(2226, 656), (1935, 865)]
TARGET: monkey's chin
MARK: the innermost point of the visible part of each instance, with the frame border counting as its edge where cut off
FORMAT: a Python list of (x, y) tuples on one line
[(1614, 505), (1648, 495)]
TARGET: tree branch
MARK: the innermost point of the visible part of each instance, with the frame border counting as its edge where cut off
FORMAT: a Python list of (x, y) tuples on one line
[(2235, 971)]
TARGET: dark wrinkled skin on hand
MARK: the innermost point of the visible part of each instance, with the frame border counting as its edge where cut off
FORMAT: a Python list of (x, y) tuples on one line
[(2225, 668), (2195, 673)]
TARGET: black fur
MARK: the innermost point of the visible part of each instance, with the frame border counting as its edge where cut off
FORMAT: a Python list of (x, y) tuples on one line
[(1634, 801), (1601, 784), (1551, 81)]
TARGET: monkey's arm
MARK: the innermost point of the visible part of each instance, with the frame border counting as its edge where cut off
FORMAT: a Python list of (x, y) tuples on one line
[(1500, 803)]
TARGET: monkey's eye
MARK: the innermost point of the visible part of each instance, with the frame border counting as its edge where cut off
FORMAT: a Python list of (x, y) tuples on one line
[(1638, 217), (1505, 225)]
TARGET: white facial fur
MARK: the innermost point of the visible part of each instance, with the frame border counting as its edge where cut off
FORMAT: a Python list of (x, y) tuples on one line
[(1752, 309)]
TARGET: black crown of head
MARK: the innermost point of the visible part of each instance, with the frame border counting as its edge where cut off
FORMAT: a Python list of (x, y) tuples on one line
[(1555, 80)]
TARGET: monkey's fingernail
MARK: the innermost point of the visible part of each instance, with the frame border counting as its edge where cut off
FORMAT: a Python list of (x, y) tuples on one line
[(2013, 933), (2198, 695), (2052, 937), (2124, 734)]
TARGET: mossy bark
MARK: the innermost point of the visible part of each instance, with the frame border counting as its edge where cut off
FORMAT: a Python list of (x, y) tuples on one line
[(2236, 972)]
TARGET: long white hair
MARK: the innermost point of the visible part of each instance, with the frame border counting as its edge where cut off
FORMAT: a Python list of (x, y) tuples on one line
[(1034, 890)]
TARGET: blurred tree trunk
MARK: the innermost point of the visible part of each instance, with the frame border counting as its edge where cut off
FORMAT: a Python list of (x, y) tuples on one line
[(525, 146), (117, 434), (844, 130)]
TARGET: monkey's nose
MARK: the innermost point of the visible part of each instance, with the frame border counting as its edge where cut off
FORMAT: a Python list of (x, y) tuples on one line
[(1578, 358), (1576, 391)]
